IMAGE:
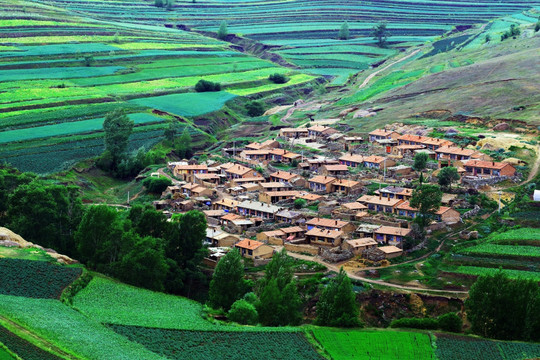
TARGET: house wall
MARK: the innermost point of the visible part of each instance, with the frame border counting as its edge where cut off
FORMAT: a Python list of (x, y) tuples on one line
[(302, 249), (264, 251), (451, 216)]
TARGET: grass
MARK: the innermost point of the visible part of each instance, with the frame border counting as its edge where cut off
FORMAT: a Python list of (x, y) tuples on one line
[(373, 344), (70, 330), (505, 250)]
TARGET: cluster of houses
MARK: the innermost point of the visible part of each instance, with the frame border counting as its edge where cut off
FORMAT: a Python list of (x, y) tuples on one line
[(256, 213)]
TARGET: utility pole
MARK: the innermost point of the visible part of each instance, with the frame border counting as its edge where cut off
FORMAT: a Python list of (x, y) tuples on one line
[(499, 202)]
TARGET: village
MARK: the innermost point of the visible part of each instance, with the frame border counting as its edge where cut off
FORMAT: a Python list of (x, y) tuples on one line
[(261, 197)]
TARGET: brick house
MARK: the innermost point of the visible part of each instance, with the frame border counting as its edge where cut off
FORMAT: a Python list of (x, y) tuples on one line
[(321, 184)]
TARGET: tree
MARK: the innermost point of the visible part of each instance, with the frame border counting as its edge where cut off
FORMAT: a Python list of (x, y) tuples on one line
[(243, 312), (447, 175), (147, 221), (89, 60), (99, 236), (420, 161), (344, 33), (300, 203), (278, 78), (222, 32), (205, 85), (381, 34), (427, 199), (227, 283), (183, 145), (537, 27), (279, 300), (45, 214), (118, 127), (505, 309), (158, 3), (337, 304), (487, 38), (450, 322), (156, 185), (145, 264), (170, 131), (255, 108)]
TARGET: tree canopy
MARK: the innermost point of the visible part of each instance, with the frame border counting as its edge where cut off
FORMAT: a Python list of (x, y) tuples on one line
[(344, 33), (381, 34), (223, 31), (118, 127), (447, 176), (420, 161), (227, 283), (427, 199), (337, 304)]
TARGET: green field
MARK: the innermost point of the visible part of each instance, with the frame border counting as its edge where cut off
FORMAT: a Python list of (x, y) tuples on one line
[(373, 344), (505, 250)]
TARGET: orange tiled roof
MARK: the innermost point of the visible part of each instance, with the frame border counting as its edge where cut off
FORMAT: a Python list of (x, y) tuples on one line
[(249, 244), (333, 234), (322, 179), (322, 222)]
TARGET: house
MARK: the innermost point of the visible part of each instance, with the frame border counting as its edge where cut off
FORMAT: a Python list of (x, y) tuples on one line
[(330, 224), (359, 245), (352, 160), (379, 134), (255, 208), (334, 170), (352, 207), (395, 192), (444, 214), (252, 249), (225, 204), (240, 171), (186, 172), (390, 251), (436, 143), (378, 162), (266, 145), (293, 232), (287, 216), (429, 142), (391, 235), (323, 237), (219, 238), (274, 186), (283, 176), (227, 219), (196, 190), (454, 153), (403, 150), (489, 168), (294, 133), (182, 205), (256, 155), (320, 130), (284, 156), (321, 184), (214, 215), (272, 197), (247, 180), (399, 170), (380, 204), (346, 186), (389, 145), (310, 197), (315, 164), (240, 226), (206, 179), (366, 230), (266, 235)]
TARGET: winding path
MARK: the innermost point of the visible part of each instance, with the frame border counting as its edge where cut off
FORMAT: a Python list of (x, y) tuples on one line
[(372, 75)]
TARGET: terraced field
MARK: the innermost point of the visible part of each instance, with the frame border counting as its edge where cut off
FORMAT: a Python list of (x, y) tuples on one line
[(60, 75), (515, 251), (302, 30)]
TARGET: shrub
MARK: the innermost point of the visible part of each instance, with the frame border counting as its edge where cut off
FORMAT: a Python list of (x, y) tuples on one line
[(278, 78), (251, 298), (255, 108), (299, 203), (450, 322), (243, 312), (416, 323), (205, 85), (156, 185)]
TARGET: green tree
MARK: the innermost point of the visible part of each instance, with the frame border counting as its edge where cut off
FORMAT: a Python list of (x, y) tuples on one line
[(337, 304), (487, 38), (222, 32), (147, 221), (450, 322), (170, 131), (420, 161), (381, 34), (344, 33), (205, 85), (183, 146), (537, 27), (427, 199), (228, 284), (46, 214), (447, 176), (158, 3), (89, 60), (505, 309), (118, 127), (243, 312), (99, 237), (278, 78), (255, 108), (300, 203), (279, 300), (156, 185)]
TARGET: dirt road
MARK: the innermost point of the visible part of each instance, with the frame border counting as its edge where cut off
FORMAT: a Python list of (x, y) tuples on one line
[(371, 76)]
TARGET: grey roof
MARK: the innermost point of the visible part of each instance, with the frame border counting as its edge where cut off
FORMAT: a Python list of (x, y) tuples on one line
[(259, 206)]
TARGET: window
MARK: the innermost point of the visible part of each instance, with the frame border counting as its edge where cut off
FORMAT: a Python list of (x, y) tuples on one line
[(250, 252)]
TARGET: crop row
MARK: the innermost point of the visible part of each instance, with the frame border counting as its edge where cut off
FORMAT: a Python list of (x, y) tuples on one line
[(24, 349), (477, 271), (203, 345), (35, 279), (504, 250)]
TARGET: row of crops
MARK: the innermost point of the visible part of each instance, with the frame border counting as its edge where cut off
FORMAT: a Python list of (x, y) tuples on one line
[(59, 76), (515, 251), (391, 345), (305, 29)]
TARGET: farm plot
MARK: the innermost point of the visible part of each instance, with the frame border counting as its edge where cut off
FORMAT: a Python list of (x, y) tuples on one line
[(514, 274), (370, 344), (450, 347), (195, 345), (21, 347), (70, 330), (505, 250), (519, 236), (35, 279), (57, 73)]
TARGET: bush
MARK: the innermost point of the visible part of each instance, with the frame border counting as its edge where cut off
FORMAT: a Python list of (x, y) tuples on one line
[(255, 108), (205, 85), (450, 322), (156, 185), (278, 78), (299, 203), (416, 323), (251, 298), (243, 312)]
